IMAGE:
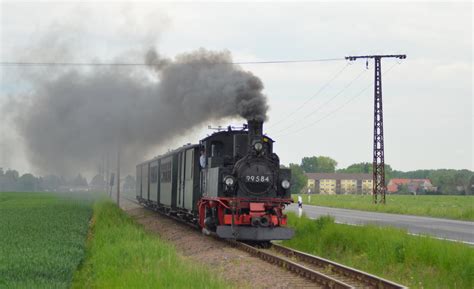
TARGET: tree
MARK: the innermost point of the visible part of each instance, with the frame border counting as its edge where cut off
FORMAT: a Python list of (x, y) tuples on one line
[(462, 179), (444, 180), (471, 184), (298, 178), (326, 165), (403, 189), (10, 180), (2, 182), (359, 168), (321, 164), (309, 164), (79, 181), (98, 182), (27, 183), (51, 183), (367, 168)]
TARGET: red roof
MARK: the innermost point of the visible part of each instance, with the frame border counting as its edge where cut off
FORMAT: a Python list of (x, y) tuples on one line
[(394, 183), (406, 181), (399, 181), (392, 188)]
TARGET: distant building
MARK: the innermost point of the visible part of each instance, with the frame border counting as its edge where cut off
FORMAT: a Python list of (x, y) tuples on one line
[(335, 183), (412, 185)]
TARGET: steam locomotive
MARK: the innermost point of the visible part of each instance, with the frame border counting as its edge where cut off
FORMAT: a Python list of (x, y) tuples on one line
[(230, 184)]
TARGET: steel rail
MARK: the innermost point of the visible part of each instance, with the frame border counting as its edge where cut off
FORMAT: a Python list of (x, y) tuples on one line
[(317, 277), (364, 277)]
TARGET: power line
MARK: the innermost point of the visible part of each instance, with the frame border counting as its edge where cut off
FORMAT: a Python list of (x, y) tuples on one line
[(26, 63), (330, 113), (326, 102), (339, 72), (340, 107), (290, 61)]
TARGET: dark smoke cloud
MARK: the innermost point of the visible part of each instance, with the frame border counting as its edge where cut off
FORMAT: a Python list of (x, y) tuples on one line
[(72, 118)]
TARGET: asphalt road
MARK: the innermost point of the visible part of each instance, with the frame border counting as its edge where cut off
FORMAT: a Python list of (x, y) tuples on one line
[(439, 228)]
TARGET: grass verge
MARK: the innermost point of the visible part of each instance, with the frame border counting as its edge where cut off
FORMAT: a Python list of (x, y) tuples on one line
[(452, 207), (120, 254), (42, 238), (417, 262)]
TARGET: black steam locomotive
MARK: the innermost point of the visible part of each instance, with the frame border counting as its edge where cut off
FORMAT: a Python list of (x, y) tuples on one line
[(230, 183)]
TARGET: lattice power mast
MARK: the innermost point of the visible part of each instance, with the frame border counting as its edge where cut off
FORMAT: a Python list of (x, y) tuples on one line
[(378, 164)]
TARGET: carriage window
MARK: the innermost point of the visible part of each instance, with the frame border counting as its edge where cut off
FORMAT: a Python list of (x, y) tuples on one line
[(216, 148), (192, 165), (165, 175), (154, 174), (189, 164)]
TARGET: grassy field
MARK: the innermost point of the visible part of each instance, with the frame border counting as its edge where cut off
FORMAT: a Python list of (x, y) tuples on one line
[(417, 262), (42, 238), (120, 254), (452, 207)]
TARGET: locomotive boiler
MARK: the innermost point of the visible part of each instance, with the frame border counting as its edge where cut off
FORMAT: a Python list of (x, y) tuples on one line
[(229, 184)]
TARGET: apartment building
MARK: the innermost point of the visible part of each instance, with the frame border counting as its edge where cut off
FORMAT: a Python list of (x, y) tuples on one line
[(339, 183)]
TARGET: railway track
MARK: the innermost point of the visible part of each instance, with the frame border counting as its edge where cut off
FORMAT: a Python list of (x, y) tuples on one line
[(322, 272)]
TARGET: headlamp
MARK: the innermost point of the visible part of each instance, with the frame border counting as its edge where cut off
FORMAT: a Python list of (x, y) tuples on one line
[(285, 184), (258, 146), (229, 181)]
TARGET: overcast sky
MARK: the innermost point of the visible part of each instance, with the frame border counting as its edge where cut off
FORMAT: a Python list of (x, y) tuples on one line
[(428, 102)]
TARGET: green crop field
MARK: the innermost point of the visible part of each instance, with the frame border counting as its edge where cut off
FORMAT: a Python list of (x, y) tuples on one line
[(120, 254), (72, 240), (417, 262), (452, 207), (42, 238)]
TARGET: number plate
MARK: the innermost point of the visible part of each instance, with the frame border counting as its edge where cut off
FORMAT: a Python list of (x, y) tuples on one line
[(257, 179)]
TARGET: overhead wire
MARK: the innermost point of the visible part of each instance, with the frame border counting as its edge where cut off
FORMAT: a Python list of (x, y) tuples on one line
[(288, 61), (325, 103), (341, 106), (24, 63), (324, 86)]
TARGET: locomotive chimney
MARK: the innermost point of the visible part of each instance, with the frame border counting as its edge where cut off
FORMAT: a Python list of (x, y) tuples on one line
[(255, 128)]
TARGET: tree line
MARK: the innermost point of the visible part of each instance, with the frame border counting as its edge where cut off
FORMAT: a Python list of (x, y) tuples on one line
[(448, 181), (11, 181)]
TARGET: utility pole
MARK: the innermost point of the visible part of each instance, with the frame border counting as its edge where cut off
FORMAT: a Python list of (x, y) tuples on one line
[(107, 175), (378, 164), (118, 176)]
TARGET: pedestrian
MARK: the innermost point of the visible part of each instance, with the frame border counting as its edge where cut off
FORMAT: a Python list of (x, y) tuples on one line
[(202, 159), (300, 202)]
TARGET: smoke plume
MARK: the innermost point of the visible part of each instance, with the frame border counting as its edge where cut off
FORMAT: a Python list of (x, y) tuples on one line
[(75, 116)]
